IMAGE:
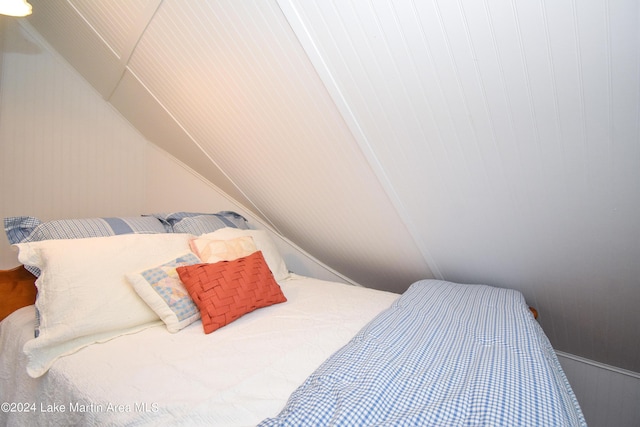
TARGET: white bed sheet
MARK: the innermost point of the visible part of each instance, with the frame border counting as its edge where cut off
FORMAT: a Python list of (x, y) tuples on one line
[(236, 376)]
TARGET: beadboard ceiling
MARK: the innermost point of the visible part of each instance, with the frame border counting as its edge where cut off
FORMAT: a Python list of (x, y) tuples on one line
[(489, 141)]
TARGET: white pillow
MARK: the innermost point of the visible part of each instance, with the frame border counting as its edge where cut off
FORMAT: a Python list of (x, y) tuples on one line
[(160, 287), (263, 243), (212, 251), (83, 295)]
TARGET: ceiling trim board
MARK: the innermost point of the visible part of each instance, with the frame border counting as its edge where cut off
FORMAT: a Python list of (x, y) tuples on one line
[(142, 23), (302, 33), (134, 36)]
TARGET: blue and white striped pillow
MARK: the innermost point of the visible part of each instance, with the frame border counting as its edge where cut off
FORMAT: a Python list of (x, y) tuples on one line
[(24, 229), (201, 223)]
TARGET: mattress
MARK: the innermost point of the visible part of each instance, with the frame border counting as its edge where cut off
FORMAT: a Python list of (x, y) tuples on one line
[(237, 376)]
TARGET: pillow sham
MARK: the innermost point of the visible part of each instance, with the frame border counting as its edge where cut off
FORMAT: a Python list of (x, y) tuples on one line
[(21, 229), (83, 295), (211, 251), (227, 290), (263, 243), (161, 288), (200, 223)]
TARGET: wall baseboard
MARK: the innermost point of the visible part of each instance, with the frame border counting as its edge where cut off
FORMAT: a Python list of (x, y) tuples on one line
[(608, 395), (615, 369)]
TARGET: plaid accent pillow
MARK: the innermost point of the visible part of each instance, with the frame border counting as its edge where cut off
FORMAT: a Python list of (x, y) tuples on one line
[(161, 288)]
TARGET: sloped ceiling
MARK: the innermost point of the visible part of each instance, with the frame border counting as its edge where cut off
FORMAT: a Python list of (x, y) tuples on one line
[(488, 142)]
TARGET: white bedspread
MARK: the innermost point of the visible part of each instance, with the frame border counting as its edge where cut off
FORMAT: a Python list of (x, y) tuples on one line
[(236, 376)]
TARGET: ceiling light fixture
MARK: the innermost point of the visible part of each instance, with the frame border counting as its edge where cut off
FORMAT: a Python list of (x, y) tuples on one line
[(15, 7)]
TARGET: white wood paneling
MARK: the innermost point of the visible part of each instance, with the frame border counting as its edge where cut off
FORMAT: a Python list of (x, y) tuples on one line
[(175, 186), (268, 122), (508, 131), (153, 120), (266, 127), (62, 149), (65, 153), (59, 22)]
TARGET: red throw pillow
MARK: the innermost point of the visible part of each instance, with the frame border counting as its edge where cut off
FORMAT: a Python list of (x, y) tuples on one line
[(227, 290)]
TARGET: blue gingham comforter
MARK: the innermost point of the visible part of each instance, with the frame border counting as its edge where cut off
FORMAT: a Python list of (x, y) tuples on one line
[(443, 354)]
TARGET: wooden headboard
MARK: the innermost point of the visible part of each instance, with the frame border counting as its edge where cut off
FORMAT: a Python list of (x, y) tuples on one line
[(17, 289)]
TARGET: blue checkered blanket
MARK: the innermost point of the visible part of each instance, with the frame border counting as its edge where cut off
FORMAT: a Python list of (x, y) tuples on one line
[(443, 354)]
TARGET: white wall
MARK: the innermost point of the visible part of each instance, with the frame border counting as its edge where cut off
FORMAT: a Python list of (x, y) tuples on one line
[(486, 142), (63, 151), (506, 133), (66, 153), (172, 185), (608, 396)]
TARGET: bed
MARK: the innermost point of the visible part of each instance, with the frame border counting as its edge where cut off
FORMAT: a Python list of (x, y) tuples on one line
[(319, 353)]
